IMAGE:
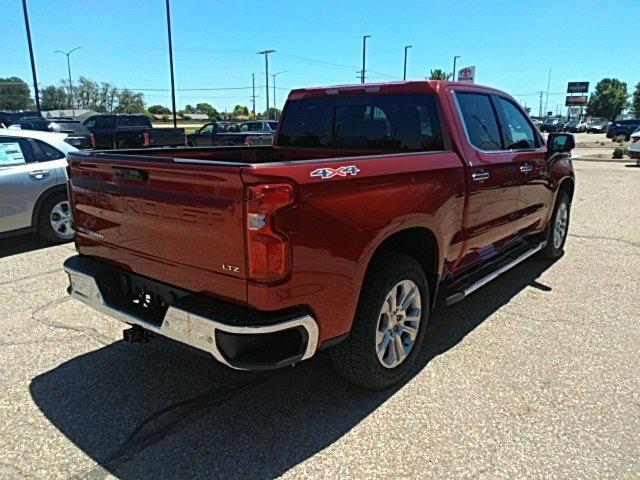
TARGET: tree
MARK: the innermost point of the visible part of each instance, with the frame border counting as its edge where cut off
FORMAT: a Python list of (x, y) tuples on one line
[(189, 109), (55, 98), (159, 110), (635, 102), (15, 94), (272, 114), (208, 110), (240, 110), (130, 102), (609, 99), (439, 74)]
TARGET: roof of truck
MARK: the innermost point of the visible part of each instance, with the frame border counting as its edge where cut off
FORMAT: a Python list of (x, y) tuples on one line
[(422, 86)]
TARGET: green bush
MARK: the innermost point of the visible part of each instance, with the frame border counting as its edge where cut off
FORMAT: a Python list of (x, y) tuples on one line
[(620, 152), (619, 139)]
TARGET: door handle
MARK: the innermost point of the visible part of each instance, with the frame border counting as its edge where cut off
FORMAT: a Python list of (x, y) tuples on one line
[(526, 168), (480, 176), (38, 174)]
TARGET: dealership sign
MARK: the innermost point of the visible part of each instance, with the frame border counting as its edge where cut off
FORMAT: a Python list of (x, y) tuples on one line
[(578, 87), (576, 100), (467, 74)]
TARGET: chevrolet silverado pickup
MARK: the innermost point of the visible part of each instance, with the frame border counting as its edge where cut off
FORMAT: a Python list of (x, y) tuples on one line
[(374, 201)]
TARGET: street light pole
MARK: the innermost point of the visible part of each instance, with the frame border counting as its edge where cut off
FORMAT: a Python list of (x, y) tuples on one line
[(266, 74), (364, 52), (275, 105), (33, 62), (407, 47), (73, 107), (173, 84), (453, 76)]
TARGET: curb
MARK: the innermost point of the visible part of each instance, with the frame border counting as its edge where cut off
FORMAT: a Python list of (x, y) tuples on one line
[(602, 160)]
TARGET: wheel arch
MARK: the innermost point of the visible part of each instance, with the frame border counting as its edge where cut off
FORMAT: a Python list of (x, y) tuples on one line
[(42, 198), (419, 243)]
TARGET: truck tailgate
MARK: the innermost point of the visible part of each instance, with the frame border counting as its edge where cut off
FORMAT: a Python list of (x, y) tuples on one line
[(179, 223)]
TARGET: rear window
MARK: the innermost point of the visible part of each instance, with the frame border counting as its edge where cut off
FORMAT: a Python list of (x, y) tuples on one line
[(75, 127), (134, 121), (273, 125), (386, 122)]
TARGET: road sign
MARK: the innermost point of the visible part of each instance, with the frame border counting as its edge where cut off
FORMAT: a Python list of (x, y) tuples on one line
[(467, 74), (575, 100), (578, 87)]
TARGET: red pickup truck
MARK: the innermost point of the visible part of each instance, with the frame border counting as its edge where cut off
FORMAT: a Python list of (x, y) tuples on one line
[(374, 201)]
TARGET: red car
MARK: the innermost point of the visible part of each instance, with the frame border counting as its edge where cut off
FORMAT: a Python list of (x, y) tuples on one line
[(375, 201)]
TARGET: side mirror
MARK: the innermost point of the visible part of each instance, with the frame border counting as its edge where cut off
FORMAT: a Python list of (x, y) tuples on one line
[(558, 143)]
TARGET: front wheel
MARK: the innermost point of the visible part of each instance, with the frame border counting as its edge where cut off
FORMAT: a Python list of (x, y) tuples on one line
[(558, 228), (389, 325)]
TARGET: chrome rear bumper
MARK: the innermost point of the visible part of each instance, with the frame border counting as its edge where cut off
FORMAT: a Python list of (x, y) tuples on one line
[(194, 329)]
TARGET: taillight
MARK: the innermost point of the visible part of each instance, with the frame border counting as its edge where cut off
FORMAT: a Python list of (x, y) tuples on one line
[(93, 140), (635, 139), (267, 248), (146, 139), (247, 140)]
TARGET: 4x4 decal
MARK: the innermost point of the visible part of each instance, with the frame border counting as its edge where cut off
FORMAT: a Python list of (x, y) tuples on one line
[(327, 172)]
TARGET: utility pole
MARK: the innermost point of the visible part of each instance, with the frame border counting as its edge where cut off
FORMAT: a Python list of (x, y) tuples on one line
[(275, 105), (253, 96), (33, 62), (407, 47), (364, 52), (73, 107), (453, 76), (546, 102), (266, 74), (173, 84), (540, 111)]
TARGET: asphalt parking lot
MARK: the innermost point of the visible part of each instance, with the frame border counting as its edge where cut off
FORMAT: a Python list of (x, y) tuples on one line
[(537, 375)]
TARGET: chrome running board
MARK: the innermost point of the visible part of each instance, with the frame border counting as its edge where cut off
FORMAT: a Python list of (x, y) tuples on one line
[(458, 296)]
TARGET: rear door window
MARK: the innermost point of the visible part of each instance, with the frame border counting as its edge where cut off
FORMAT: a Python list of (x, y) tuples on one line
[(46, 152), (395, 123), (518, 132), (480, 121)]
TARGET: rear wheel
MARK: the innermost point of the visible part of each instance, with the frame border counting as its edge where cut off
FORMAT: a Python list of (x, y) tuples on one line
[(558, 227), (54, 219), (389, 325)]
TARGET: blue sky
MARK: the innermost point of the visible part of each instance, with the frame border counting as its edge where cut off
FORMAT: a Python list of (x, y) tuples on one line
[(512, 43)]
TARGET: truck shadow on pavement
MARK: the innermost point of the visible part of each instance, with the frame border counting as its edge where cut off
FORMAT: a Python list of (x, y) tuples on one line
[(158, 411), (23, 243)]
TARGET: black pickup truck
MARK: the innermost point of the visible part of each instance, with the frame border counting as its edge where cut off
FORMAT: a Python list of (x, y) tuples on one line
[(131, 131)]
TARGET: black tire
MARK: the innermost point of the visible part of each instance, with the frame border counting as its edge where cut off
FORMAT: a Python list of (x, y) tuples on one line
[(45, 228), (356, 358), (553, 249)]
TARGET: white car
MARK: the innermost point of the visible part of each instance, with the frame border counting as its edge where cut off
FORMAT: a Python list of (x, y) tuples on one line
[(634, 146), (33, 184)]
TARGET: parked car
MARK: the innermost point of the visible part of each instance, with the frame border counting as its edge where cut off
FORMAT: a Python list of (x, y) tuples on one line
[(33, 184), (623, 128), (575, 126), (597, 126), (536, 123), (77, 133), (205, 135), (634, 145), (342, 235), (552, 125), (268, 126), (256, 132), (131, 131)]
